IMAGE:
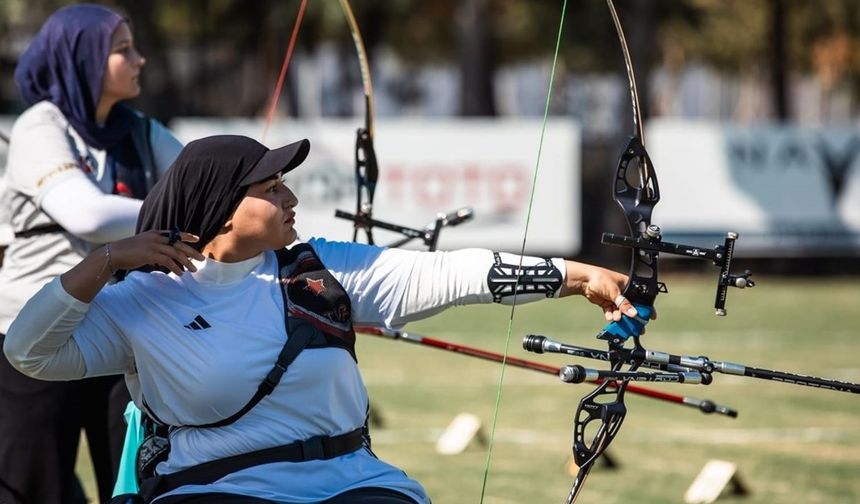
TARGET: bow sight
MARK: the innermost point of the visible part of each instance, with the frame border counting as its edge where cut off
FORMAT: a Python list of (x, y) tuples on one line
[(636, 191), (721, 255)]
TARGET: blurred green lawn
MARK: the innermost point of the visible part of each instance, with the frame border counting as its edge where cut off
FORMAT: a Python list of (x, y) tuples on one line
[(790, 443)]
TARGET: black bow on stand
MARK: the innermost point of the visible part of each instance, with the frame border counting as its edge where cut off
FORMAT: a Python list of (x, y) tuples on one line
[(367, 168)]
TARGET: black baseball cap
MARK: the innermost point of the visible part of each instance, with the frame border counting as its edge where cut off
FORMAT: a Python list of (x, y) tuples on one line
[(271, 161), (208, 180)]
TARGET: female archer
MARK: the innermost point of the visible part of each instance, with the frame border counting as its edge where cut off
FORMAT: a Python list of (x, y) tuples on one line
[(238, 337)]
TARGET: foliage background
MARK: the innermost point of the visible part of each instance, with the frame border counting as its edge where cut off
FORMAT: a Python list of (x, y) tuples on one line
[(219, 57)]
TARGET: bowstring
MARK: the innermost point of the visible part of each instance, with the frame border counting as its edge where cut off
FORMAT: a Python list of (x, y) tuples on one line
[(522, 252)]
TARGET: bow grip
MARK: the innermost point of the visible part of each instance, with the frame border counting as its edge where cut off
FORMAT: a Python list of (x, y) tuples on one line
[(628, 326)]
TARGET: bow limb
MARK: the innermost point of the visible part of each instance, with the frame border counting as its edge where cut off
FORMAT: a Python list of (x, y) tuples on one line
[(367, 172), (636, 191), (631, 77), (363, 62), (366, 167)]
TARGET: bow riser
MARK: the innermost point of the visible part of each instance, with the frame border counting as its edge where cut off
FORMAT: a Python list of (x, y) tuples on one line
[(636, 191)]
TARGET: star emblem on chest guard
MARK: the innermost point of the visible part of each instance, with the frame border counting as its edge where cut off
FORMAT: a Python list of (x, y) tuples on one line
[(315, 286)]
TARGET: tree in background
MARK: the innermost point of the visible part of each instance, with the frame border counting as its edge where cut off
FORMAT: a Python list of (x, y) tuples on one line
[(208, 57)]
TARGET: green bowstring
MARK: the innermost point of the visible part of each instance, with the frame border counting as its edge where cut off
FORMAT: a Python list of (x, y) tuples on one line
[(522, 251)]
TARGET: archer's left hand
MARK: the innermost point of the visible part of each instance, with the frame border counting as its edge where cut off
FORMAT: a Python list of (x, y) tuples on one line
[(601, 286)]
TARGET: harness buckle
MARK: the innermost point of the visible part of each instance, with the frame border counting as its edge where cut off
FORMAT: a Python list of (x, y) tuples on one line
[(273, 378), (313, 448)]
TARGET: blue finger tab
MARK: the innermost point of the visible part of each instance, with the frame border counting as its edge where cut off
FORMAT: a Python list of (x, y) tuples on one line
[(628, 326)]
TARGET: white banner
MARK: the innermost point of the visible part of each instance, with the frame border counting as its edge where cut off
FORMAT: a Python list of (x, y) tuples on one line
[(6, 233), (787, 191), (432, 166), (5, 130)]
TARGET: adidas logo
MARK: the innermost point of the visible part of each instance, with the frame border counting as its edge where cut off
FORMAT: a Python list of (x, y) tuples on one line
[(197, 324)]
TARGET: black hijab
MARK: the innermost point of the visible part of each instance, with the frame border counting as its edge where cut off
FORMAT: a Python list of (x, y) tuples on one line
[(65, 64), (207, 181)]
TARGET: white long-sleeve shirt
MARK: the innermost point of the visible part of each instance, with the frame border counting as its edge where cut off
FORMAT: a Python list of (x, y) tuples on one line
[(191, 376), (53, 177)]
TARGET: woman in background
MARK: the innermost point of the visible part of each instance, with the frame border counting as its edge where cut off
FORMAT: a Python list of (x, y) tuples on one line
[(80, 162)]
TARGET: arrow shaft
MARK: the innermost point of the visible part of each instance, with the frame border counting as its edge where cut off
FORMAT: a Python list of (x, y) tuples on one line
[(525, 364)]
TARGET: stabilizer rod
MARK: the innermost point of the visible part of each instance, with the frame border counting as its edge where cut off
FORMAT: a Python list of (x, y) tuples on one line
[(579, 374), (704, 405), (672, 362)]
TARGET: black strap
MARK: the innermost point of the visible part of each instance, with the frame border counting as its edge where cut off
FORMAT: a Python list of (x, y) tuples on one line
[(292, 348), (38, 230), (316, 448), (296, 342), (140, 137)]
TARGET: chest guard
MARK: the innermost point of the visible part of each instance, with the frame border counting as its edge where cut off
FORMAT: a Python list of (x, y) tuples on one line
[(314, 301)]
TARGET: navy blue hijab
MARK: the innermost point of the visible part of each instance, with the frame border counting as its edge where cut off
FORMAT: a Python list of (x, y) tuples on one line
[(65, 64)]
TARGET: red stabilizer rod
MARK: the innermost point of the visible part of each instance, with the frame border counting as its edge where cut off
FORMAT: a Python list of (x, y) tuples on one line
[(703, 405)]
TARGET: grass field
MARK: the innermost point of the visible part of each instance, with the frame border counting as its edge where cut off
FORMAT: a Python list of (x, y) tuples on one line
[(791, 444)]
